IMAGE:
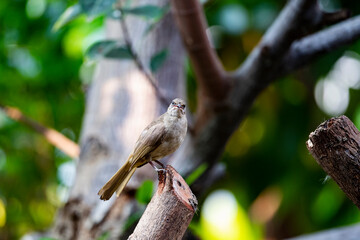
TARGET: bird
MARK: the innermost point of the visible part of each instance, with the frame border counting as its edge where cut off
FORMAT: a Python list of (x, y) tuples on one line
[(160, 138)]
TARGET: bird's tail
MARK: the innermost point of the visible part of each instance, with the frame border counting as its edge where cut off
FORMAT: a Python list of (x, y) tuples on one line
[(117, 182)]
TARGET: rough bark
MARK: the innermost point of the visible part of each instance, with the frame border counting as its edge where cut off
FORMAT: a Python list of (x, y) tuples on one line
[(335, 145), (170, 211)]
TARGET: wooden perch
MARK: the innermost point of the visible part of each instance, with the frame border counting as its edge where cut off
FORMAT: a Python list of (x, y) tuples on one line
[(170, 211), (335, 145)]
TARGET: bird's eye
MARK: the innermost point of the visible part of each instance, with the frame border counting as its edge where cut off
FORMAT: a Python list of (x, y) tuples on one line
[(173, 103)]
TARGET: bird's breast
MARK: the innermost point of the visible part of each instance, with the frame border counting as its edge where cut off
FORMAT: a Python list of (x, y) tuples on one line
[(175, 132)]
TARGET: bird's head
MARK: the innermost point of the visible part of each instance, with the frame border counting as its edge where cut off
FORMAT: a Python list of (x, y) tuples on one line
[(177, 107)]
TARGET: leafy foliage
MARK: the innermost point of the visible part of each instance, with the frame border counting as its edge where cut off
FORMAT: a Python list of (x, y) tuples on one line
[(95, 7), (144, 193), (146, 11), (70, 14), (109, 49), (158, 60), (39, 74)]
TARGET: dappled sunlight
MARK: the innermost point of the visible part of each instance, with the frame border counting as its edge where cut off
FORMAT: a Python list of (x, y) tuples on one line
[(222, 218), (42, 212), (331, 96), (110, 89), (35, 8), (234, 18), (332, 91), (266, 205), (2, 213), (141, 102), (66, 173), (24, 62), (250, 133)]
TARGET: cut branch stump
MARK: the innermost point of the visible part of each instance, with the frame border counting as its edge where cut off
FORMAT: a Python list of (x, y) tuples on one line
[(335, 145), (170, 211)]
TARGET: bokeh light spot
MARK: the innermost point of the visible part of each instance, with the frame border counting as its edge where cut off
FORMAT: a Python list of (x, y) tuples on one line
[(24, 62), (331, 96), (35, 8), (222, 218), (234, 18), (263, 15), (2, 214), (66, 173)]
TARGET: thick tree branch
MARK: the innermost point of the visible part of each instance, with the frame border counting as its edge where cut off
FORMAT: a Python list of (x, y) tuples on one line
[(52, 136), (306, 49), (335, 145), (329, 18), (170, 211), (261, 66), (285, 29), (209, 71)]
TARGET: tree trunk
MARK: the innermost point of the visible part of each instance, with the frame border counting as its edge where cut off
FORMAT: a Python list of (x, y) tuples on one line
[(120, 103)]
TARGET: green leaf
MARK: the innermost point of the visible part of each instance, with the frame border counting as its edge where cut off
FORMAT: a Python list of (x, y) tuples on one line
[(144, 193), (158, 59), (108, 49), (104, 236), (195, 174), (119, 52), (146, 11), (96, 7), (133, 218), (70, 14)]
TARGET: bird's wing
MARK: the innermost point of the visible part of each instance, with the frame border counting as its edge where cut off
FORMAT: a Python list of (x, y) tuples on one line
[(150, 138)]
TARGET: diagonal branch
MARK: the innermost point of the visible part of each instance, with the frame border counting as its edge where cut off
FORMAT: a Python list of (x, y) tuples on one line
[(254, 72), (54, 137), (286, 27), (307, 49), (164, 101), (209, 71)]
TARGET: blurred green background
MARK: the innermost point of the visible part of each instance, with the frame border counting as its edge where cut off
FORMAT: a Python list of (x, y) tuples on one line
[(272, 188)]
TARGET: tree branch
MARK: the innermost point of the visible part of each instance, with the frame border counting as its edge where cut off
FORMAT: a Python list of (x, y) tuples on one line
[(335, 145), (261, 66), (209, 71), (345, 233), (52, 136), (264, 65), (164, 101), (170, 211), (307, 49)]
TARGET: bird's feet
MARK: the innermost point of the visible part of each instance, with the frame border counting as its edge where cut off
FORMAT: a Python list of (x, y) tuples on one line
[(162, 169)]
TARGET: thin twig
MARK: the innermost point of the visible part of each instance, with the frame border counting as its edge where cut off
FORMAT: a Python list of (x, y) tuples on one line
[(51, 135), (138, 62)]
